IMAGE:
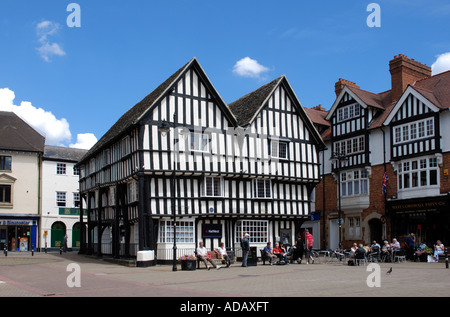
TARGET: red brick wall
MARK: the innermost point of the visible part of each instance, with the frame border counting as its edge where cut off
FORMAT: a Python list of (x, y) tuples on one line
[(445, 180), (376, 198)]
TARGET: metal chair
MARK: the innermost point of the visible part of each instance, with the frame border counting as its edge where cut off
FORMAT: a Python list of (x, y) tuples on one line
[(400, 256)]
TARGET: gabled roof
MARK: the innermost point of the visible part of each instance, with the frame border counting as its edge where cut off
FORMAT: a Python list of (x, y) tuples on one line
[(18, 135), (247, 108), (433, 91), (363, 97), (437, 85), (132, 116)]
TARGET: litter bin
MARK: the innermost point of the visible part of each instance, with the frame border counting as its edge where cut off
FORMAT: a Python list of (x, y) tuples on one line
[(252, 259)]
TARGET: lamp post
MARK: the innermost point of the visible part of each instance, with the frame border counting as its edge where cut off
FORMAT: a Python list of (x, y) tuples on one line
[(339, 157), (164, 129)]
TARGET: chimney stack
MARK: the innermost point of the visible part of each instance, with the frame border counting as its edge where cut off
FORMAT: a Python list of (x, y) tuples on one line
[(339, 85), (319, 108), (405, 71)]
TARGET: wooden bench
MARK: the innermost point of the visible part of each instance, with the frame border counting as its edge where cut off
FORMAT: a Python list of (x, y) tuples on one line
[(214, 256)]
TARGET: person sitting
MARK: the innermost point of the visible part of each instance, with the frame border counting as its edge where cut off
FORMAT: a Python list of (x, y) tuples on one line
[(202, 254), (395, 245), (268, 253), (386, 251), (280, 252), (223, 252), (375, 251), (360, 253), (438, 249), (353, 250)]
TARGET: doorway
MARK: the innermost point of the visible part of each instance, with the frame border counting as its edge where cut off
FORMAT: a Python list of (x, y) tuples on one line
[(57, 234), (376, 231), (334, 234)]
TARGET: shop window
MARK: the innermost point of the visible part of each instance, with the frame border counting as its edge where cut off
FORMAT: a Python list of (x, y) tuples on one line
[(185, 231)]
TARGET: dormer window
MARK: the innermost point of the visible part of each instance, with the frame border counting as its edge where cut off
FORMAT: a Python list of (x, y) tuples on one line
[(348, 112)]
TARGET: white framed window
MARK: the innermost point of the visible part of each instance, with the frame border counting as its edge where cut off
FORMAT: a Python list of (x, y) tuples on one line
[(60, 169), (414, 131), (5, 163), (354, 183), (262, 188), (76, 171), (354, 227), (76, 200), (199, 142), (350, 146), (213, 186), (5, 194), (61, 199), (418, 173), (257, 229), (185, 231), (349, 112), (279, 149)]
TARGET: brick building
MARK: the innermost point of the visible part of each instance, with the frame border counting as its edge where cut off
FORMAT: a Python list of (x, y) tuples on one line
[(396, 136)]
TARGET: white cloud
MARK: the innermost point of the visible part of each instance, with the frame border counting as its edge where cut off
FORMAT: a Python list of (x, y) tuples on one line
[(44, 30), (441, 64), (56, 131), (84, 141), (247, 67)]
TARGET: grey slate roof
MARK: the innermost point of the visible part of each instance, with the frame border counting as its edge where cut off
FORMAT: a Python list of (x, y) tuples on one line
[(59, 153), (16, 134), (241, 112), (248, 106)]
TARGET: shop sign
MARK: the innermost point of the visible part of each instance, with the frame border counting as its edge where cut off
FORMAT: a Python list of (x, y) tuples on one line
[(419, 205), (17, 222), (211, 230)]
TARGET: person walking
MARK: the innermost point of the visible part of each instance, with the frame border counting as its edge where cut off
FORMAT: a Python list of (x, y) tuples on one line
[(245, 245), (309, 244)]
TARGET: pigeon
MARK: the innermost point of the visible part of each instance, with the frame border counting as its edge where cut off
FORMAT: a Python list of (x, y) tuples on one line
[(389, 272)]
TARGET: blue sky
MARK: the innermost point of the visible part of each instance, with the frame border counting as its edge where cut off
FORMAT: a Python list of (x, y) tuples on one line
[(79, 80)]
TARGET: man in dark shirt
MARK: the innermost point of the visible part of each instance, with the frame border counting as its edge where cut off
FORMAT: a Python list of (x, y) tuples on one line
[(245, 245)]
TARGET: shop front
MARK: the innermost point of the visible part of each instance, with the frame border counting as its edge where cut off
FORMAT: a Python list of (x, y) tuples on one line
[(18, 234), (427, 217)]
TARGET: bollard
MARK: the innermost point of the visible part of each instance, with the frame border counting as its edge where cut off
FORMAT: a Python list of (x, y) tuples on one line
[(5, 251), (60, 250), (446, 259)]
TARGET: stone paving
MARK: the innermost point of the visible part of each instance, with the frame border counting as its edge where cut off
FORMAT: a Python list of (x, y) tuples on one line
[(50, 275)]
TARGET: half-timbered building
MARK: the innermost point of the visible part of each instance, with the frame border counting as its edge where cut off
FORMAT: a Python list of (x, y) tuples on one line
[(385, 156), (183, 160), (420, 157)]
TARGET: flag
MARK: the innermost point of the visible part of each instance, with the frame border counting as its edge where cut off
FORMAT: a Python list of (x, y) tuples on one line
[(385, 180)]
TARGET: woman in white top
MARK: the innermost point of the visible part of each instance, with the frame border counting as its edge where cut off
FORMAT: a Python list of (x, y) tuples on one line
[(223, 251), (438, 249)]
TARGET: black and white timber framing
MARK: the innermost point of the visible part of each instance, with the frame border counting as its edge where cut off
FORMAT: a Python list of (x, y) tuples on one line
[(249, 165), (414, 125), (350, 118)]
